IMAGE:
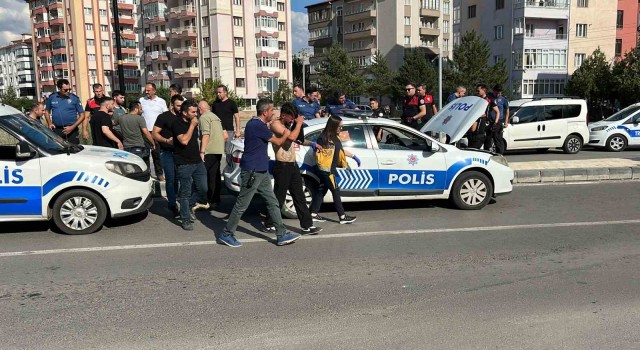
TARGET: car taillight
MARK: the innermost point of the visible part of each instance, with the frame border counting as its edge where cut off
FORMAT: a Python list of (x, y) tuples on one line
[(236, 156)]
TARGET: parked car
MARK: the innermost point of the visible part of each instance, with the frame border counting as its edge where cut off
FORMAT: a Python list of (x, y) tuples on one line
[(547, 123), (401, 163), (618, 131)]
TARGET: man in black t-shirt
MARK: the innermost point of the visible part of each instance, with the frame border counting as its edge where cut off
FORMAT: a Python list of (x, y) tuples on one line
[(190, 167), (227, 110), (163, 135), (102, 126), (92, 106)]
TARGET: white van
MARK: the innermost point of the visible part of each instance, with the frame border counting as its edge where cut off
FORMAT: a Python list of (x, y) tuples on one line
[(547, 123), (618, 131), (42, 177)]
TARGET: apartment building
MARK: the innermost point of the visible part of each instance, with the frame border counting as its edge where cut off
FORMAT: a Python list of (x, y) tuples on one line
[(74, 39), (626, 26), (16, 67), (245, 43), (364, 26), (541, 41)]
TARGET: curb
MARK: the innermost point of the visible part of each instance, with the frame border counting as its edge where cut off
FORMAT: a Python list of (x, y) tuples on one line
[(576, 174)]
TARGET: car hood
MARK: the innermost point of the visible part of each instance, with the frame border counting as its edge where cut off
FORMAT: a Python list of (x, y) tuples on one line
[(111, 154), (457, 117), (600, 123)]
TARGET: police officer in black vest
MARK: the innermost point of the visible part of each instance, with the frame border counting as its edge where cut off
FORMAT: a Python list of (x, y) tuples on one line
[(413, 108)]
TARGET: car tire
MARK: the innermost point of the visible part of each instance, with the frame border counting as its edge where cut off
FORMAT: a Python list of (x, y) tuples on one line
[(79, 212), (288, 210), (616, 143), (472, 190), (572, 145)]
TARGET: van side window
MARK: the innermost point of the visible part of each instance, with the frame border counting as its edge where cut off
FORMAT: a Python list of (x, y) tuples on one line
[(571, 111), (529, 114), (553, 112), (7, 146)]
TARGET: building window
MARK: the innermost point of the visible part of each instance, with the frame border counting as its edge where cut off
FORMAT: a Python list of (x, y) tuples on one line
[(579, 58), (518, 26), (282, 45), (543, 87), (545, 59), (237, 21), (446, 8), (103, 13), (206, 41), (407, 40), (583, 3), (205, 21), (88, 27), (91, 42), (240, 82), (237, 2), (104, 28), (238, 42), (91, 57), (498, 32), (105, 43), (529, 31), (581, 30), (499, 4), (283, 65), (445, 26), (239, 62), (87, 11), (281, 26), (471, 11), (407, 20), (106, 58), (445, 45), (620, 19), (206, 62), (618, 47), (281, 6)]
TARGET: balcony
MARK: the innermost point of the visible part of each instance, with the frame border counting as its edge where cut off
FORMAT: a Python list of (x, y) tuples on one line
[(367, 13), (160, 56), (185, 52), (191, 92), (269, 50), (56, 20), (130, 62), (144, 2), (191, 72), (160, 36), (265, 72), (43, 39), (125, 20), (429, 12), (262, 9), (184, 11), (433, 31), (57, 35), (156, 19), (360, 34), (185, 32), (125, 7), (38, 10), (47, 82), (551, 9), (263, 30), (158, 76)]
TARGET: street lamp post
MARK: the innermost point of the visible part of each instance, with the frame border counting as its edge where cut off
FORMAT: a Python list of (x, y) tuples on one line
[(116, 23)]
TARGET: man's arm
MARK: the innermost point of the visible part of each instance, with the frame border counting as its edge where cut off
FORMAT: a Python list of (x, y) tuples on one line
[(435, 109), (156, 136), (497, 110), (507, 114), (107, 132), (47, 117), (279, 141), (422, 113), (148, 136), (236, 117), (185, 138)]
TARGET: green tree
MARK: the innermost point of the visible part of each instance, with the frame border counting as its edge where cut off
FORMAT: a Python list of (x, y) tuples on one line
[(283, 94), (415, 69), (380, 77), (209, 88), (338, 72), (164, 93), (626, 78), (593, 81), (10, 97), (470, 65)]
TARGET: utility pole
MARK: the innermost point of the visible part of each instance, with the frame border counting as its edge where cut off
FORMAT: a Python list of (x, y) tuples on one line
[(116, 24)]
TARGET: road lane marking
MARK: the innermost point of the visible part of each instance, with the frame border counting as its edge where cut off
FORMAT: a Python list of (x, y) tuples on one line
[(331, 236)]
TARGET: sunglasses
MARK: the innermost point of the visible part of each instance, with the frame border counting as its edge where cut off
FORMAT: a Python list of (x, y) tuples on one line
[(408, 89), (66, 90)]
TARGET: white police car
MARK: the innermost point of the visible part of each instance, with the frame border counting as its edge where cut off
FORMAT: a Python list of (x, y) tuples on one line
[(400, 163), (618, 131), (43, 177)]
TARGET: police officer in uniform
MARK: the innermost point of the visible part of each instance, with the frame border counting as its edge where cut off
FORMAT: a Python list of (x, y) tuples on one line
[(307, 106), (412, 108), (492, 116), (64, 113), (429, 103), (377, 112)]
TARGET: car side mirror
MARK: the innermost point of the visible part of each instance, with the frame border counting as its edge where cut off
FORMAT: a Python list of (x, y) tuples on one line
[(515, 120), (463, 143), (23, 151)]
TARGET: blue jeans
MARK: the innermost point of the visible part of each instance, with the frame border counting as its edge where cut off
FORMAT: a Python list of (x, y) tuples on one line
[(169, 167), (189, 175), (261, 185)]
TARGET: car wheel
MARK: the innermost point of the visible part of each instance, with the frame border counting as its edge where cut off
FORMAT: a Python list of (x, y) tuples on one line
[(616, 143), (472, 191), (288, 210), (572, 145), (79, 212)]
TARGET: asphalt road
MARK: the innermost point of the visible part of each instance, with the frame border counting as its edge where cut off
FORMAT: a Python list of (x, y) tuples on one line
[(543, 268), (557, 154)]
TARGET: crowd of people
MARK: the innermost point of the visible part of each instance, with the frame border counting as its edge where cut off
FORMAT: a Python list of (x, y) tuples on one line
[(185, 140)]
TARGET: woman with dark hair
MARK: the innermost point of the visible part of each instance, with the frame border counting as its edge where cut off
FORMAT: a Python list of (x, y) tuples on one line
[(330, 140)]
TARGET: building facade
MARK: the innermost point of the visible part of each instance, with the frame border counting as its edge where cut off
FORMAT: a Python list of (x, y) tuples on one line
[(17, 69), (541, 41), (244, 43), (627, 26), (363, 27), (73, 39)]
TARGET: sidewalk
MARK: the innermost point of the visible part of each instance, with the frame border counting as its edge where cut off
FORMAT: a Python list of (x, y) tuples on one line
[(576, 170)]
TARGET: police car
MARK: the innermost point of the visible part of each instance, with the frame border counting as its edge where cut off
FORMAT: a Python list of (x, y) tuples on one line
[(618, 131), (400, 163), (42, 177)]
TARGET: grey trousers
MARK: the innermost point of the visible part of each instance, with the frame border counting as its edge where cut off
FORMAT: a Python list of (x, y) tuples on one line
[(261, 185)]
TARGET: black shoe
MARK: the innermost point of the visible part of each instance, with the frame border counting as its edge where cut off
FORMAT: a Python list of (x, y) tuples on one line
[(346, 219), (311, 230), (268, 228), (318, 218), (187, 226)]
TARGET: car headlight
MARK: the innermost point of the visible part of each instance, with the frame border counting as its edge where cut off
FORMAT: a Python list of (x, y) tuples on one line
[(500, 160), (123, 168), (599, 128)]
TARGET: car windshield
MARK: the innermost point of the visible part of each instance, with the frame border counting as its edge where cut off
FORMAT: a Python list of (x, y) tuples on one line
[(38, 134), (623, 114)]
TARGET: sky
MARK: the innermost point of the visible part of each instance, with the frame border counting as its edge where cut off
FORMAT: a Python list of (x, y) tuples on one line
[(14, 20)]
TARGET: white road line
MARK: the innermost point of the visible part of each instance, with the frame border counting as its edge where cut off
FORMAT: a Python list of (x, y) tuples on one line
[(331, 236)]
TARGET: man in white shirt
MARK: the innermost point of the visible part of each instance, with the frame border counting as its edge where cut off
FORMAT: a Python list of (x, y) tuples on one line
[(152, 107)]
